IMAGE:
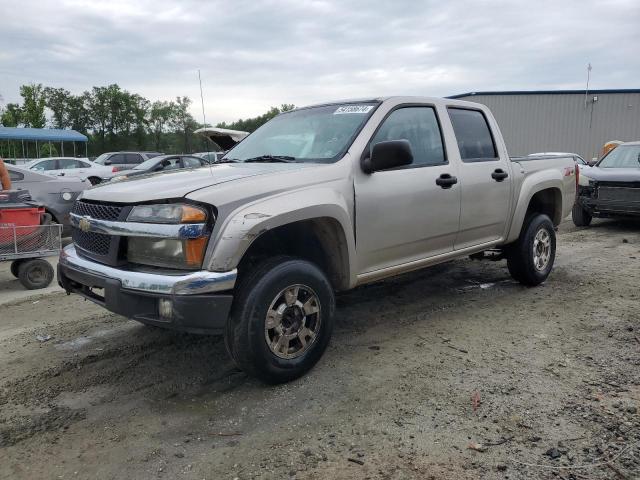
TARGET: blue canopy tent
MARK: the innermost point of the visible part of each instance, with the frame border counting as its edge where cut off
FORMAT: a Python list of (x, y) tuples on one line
[(42, 135)]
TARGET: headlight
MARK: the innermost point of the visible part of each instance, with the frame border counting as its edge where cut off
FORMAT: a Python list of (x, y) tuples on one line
[(167, 252), (167, 213)]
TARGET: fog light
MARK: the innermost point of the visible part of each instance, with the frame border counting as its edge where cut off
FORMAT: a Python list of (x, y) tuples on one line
[(165, 308)]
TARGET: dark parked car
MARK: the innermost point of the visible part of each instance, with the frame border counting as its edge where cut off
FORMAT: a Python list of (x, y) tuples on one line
[(611, 188), (124, 160), (161, 163), (56, 194)]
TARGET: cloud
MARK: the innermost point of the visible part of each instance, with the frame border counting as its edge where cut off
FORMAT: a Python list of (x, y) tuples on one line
[(256, 54)]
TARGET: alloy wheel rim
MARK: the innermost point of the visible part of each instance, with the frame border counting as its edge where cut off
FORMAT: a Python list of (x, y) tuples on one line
[(541, 250), (293, 321)]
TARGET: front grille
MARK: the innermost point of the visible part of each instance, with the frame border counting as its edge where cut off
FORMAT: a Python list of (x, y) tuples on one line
[(620, 194), (99, 211), (96, 243), (98, 246)]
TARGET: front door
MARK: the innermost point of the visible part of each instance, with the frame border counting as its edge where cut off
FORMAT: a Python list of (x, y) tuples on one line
[(402, 215)]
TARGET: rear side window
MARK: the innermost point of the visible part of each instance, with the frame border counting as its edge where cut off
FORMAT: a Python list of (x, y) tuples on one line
[(420, 127), (15, 176), (473, 135), (133, 158)]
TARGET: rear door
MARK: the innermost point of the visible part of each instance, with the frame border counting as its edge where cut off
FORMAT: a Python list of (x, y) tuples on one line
[(402, 215), (485, 179)]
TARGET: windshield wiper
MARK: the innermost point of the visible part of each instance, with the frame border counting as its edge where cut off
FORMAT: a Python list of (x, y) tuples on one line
[(226, 160), (272, 158)]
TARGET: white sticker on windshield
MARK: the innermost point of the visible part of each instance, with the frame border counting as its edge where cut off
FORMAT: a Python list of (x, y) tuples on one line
[(353, 109)]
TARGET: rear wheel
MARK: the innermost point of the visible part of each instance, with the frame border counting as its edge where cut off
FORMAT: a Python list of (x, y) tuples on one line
[(531, 258), (580, 217), (282, 319), (35, 273), (94, 180)]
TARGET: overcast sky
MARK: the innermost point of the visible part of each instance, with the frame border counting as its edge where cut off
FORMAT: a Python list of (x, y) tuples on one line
[(255, 54)]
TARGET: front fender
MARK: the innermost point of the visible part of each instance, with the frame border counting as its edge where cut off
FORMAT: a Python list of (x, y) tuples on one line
[(248, 222), (532, 184)]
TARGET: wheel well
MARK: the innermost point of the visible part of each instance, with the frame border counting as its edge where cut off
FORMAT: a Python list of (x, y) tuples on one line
[(548, 202), (53, 215), (319, 240)]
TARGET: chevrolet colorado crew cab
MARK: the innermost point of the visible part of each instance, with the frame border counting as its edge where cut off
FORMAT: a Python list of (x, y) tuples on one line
[(318, 200)]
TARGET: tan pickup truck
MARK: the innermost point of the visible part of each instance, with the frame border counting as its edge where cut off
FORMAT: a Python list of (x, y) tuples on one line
[(318, 200)]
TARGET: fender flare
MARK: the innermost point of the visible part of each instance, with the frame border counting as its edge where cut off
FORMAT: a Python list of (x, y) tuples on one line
[(244, 225), (537, 182)]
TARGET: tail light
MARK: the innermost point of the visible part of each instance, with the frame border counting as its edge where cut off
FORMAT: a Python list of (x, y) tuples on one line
[(114, 169)]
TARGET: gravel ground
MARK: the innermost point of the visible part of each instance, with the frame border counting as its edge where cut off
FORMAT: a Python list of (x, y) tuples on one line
[(454, 372)]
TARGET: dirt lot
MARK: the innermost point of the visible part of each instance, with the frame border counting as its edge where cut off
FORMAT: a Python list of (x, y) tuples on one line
[(542, 382)]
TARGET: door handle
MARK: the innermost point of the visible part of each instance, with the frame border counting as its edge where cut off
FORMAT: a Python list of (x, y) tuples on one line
[(499, 175), (446, 180)]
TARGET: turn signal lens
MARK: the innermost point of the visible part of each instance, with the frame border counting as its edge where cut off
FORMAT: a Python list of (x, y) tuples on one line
[(194, 251), (192, 214)]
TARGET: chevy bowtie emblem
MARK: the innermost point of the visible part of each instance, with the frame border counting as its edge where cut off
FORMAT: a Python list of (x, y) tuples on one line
[(84, 224)]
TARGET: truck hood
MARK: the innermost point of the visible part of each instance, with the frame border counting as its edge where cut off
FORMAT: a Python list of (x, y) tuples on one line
[(612, 174), (179, 183)]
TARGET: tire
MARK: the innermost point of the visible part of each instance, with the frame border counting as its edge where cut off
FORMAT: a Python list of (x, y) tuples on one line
[(35, 273), (580, 217), (530, 259), (15, 266), (94, 180), (301, 303)]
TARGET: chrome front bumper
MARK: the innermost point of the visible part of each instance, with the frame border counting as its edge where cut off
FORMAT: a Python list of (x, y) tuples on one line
[(193, 283)]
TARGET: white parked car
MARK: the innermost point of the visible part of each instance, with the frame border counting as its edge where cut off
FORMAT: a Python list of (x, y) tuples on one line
[(82, 168)]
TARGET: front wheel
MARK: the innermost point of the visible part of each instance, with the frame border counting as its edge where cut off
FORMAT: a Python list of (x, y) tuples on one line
[(580, 217), (281, 320), (530, 259)]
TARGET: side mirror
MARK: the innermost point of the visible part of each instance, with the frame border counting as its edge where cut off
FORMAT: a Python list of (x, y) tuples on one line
[(386, 155), (592, 162), (108, 162)]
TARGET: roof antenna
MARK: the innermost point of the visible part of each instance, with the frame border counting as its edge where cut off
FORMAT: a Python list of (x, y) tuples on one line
[(204, 122)]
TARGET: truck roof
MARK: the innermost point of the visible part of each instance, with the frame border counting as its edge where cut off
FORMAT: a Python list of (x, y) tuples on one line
[(398, 98)]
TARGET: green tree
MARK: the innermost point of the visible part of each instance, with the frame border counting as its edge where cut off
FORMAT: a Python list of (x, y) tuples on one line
[(251, 124), (182, 121), (98, 105), (12, 115), (159, 116), (33, 104), (57, 100)]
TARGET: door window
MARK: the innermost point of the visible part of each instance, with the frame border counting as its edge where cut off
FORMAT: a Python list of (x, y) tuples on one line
[(418, 125), (68, 163), (473, 135), (191, 162), (45, 165), (133, 158), (117, 158), (169, 163)]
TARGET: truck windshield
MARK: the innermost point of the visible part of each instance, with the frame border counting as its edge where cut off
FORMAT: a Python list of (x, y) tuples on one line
[(317, 134), (624, 156)]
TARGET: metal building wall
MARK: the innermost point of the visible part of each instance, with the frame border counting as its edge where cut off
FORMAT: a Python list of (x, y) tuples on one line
[(543, 122)]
